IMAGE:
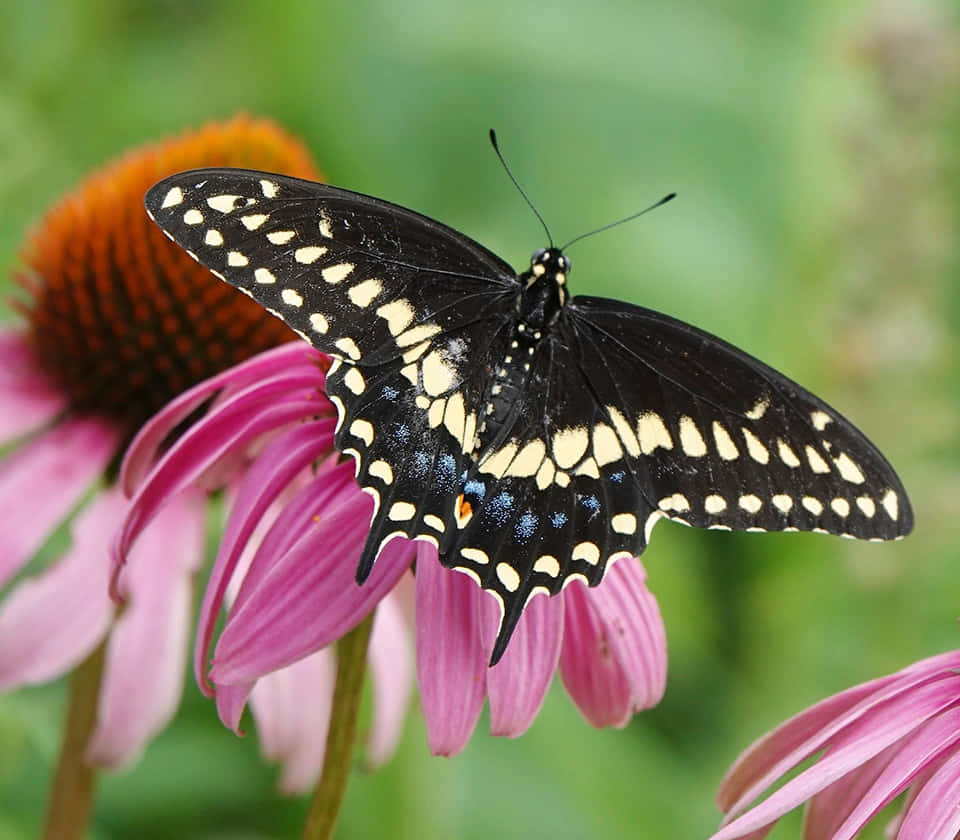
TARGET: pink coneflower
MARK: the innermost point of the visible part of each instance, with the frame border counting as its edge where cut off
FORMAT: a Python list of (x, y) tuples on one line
[(875, 741), (300, 593), (119, 321)]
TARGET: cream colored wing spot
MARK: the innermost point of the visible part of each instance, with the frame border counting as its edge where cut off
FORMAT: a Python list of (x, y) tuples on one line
[(756, 450), (569, 445), (362, 429), (398, 314), (254, 220), (475, 555), (280, 237), (782, 502), (606, 445), (691, 441), (848, 470), (588, 466), (759, 409), (652, 519), (268, 188), (309, 254), (365, 292), (787, 455), (469, 430), (561, 479), (498, 462), (677, 502), (714, 504), (422, 402), (415, 352), (438, 374), (213, 238), (815, 506), (841, 507), (435, 522), (547, 565), (820, 419), (401, 512), (890, 504), (508, 577), (236, 260), (588, 552), (415, 335), (193, 217), (545, 474), (319, 323), (726, 448), (382, 470), (324, 225), (435, 413), (625, 433), (334, 274), (354, 380), (173, 197), (349, 347), (750, 503), (455, 417), (223, 203), (264, 276), (411, 374), (291, 297), (817, 464), (652, 432), (867, 506), (624, 523), (528, 460)]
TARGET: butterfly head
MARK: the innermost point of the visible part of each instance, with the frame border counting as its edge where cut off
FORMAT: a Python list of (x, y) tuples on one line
[(551, 263), (545, 290)]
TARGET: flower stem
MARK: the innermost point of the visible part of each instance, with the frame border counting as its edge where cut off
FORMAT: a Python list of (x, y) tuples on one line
[(71, 795), (330, 790)]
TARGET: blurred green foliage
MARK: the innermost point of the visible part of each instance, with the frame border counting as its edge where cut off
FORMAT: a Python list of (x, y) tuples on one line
[(814, 148)]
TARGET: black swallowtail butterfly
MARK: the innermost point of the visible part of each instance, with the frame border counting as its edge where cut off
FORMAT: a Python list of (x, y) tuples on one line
[(533, 437)]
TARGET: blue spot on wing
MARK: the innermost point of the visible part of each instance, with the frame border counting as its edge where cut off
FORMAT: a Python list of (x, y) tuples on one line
[(499, 507), (389, 393), (558, 519), (474, 488), (526, 526), (617, 477), (421, 463), (446, 472)]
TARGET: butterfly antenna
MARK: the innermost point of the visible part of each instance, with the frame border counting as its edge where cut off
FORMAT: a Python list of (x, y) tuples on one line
[(496, 148), (661, 202)]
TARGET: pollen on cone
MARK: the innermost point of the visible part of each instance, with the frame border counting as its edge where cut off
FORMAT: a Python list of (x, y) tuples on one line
[(121, 317)]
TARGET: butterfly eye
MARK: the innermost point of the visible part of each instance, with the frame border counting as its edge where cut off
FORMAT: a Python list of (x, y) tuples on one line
[(538, 256)]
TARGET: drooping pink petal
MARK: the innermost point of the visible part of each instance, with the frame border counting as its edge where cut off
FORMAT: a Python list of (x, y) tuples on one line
[(143, 672), (828, 810), (42, 481), (291, 707), (517, 684), (391, 671), (933, 814), (294, 359), (268, 476), (614, 658), (867, 737), (451, 660), (30, 399), (922, 747), (768, 758), (309, 596), (233, 426), (51, 622)]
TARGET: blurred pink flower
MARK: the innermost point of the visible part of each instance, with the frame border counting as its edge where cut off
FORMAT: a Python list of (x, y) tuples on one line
[(300, 594), (118, 321), (876, 740)]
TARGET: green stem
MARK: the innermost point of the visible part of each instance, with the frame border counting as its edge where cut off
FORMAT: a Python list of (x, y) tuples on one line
[(330, 790), (74, 781)]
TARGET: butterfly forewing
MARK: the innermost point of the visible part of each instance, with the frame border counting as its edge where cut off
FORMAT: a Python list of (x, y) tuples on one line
[(533, 446)]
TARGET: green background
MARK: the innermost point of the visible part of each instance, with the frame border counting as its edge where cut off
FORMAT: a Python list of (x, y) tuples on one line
[(813, 147)]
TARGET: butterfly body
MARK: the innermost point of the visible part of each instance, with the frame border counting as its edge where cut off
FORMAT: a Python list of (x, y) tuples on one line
[(533, 437)]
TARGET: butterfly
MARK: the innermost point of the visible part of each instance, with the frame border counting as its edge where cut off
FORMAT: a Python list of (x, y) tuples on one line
[(533, 437)]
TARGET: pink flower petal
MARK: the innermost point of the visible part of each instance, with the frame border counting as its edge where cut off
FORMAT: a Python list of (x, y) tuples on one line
[(294, 359), (292, 711), (933, 814), (30, 399), (451, 660), (231, 701), (391, 671), (872, 733), (233, 426), (614, 658), (794, 741), (143, 673), (517, 684), (309, 597), (919, 750), (269, 475), (42, 481), (52, 622)]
